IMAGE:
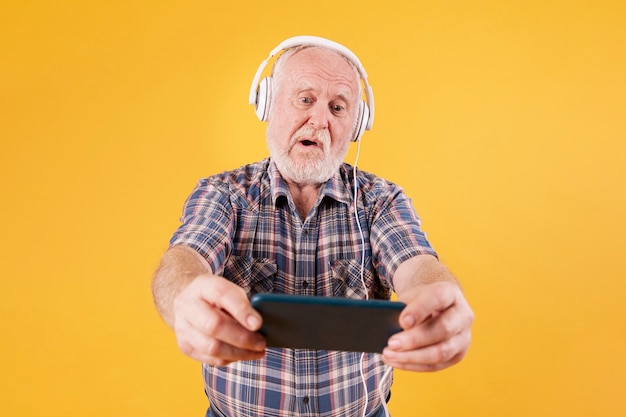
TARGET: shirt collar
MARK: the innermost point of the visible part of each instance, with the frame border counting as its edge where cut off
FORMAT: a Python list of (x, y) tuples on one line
[(337, 187)]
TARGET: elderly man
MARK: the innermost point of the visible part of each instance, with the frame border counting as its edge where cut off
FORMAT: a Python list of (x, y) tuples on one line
[(304, 222)]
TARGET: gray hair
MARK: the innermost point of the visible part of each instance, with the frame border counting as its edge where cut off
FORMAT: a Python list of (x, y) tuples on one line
[(277, 69)]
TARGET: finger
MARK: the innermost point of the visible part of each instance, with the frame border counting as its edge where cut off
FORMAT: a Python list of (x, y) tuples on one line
[(430, 358), (420, 367), (435, 329), (216, 324), (200, 346), (218, 356), (232, 299), (430, 301)]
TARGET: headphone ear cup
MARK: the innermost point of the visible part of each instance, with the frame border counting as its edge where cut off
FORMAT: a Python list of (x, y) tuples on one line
[(363, 120), (263, 98)]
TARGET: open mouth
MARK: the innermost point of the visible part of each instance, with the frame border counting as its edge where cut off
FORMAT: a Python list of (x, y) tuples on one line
[(307, 142)]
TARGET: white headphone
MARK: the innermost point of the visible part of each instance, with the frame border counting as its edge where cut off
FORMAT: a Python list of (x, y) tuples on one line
[(260, 91)]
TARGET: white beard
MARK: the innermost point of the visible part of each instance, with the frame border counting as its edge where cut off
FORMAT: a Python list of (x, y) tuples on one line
[(307, 168)]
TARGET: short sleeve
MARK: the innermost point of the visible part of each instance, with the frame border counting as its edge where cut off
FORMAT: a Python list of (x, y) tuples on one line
[(396, 232), (206, 223)]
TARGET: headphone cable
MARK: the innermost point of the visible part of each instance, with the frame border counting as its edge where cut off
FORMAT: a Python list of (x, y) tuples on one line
[(389, 369)]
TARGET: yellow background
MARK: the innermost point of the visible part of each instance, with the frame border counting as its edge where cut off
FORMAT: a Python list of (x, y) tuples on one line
[(505, 121)]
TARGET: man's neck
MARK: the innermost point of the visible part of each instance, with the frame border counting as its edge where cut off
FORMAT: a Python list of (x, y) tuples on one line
[(304, 196)]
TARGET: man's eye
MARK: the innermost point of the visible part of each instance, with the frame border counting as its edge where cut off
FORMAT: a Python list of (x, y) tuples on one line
[(337, 108), (306, 100)]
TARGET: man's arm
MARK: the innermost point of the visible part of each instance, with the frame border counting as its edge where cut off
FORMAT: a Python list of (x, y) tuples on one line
[(436, 321), (179, 266), (211, 316)]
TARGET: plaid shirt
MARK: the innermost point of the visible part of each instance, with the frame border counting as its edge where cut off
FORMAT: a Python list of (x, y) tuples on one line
[(246, 225)]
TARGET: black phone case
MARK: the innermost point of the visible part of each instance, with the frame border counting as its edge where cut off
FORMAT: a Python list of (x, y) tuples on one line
[(327, 323)]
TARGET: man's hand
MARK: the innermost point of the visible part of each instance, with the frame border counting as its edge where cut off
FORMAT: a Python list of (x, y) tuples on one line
[(436, 323), (215, 323)]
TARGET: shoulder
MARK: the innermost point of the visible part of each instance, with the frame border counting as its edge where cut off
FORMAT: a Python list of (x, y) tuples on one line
[(373, 187), (244, 184)]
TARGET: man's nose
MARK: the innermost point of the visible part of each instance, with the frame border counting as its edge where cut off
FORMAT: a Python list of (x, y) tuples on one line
[(319, 116)]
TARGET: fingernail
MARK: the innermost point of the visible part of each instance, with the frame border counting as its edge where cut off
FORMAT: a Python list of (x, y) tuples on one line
[(394, 343), (259, 346), (389, 354), (409, 321), (253, 322)]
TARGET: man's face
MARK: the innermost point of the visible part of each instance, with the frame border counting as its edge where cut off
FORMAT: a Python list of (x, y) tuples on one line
[(312, 117)]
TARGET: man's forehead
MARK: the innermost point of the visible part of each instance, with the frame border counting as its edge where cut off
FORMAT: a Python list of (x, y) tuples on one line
[(339, 89), (322, 56), (309, 70)]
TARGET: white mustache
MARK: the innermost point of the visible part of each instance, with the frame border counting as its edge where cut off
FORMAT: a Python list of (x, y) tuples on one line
[(306, 132)]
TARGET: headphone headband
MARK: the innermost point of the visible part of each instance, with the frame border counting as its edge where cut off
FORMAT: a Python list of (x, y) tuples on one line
[(325, 43)]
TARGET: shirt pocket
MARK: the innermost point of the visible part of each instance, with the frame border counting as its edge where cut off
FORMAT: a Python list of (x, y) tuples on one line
[(254, 275), (347, 283)]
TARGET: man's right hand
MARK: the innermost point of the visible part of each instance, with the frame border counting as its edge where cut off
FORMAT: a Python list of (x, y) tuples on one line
[(215, 323)]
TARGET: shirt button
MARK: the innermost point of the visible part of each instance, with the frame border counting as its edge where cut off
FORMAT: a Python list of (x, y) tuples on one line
[(305, 400), (306, 232), (305, 285)]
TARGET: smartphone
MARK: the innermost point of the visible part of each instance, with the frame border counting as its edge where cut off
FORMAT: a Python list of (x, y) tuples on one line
[(327, 323)]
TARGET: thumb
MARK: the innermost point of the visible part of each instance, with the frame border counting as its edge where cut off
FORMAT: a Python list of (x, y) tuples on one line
[(233, 300), (425, 302)]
